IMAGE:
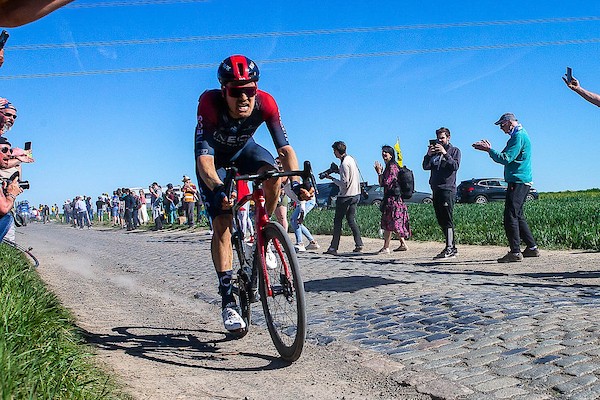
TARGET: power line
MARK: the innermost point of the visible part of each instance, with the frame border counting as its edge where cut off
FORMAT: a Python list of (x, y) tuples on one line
[(131, 3), (314, 32), (309, 58)]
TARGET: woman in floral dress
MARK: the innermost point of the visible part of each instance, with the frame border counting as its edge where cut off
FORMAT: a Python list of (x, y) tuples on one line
[(394, 214)]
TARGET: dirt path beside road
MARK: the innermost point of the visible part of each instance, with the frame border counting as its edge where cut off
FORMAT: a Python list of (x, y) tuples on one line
[(130, 295)]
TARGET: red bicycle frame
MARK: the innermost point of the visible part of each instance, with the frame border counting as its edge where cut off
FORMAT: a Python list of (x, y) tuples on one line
[(262, 219)]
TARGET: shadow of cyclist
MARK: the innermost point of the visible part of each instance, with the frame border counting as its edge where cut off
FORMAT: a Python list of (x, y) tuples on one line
[(178, 347)]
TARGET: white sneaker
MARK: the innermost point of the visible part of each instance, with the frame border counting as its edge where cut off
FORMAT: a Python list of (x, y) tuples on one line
[(299, 248), (270, 258), (313, 246), (231, 317)]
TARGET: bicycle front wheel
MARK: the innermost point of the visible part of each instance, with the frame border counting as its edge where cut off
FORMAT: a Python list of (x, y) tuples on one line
[(283, 298)]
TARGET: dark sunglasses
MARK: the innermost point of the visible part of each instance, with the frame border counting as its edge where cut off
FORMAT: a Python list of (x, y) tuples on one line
[(6, 150), (235, 91), (14, 116)]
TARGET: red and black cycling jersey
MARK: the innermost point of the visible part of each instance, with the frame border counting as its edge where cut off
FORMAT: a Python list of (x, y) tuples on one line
[(217, 132)]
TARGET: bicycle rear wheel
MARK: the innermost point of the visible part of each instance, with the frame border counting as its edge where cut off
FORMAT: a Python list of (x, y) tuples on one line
[(284, 308)]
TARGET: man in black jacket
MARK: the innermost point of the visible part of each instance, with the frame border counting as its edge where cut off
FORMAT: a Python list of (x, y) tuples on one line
[(443, 160)]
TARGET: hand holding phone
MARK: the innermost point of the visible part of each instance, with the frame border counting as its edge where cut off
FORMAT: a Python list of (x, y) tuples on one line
[(3, 38), (569, 75)]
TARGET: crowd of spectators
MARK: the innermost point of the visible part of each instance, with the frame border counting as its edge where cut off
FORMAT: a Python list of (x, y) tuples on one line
[(131, 208)]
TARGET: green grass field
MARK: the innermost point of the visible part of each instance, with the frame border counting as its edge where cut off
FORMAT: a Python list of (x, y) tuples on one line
[(41, 353), (563, 220)]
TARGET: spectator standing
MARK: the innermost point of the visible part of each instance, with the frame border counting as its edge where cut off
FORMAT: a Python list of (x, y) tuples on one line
[(129, 201), (67, 211), (100, 208), (190, 193), (143, 210), (81, 211), (516, 158), (9, 192), (592, 97), (90, 209), (170, 204), (137, 205), (443, 160), (394, 214), (157, 205), (114, 208), (45, 213), (301, 210), (347, 200)]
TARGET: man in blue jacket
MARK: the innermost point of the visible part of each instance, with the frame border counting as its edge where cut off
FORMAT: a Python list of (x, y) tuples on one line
[(516, 158)]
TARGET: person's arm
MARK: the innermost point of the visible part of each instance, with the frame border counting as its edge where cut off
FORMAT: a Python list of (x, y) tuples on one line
[(15, 13), (7, 201), (592, 97), (344, 181), (1, 57), (451, 161)]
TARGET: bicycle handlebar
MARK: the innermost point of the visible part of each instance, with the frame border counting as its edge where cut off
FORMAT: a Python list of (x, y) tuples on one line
[(306, 175)]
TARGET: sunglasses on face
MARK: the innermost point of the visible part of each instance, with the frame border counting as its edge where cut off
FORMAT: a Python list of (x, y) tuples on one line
[(6, 150), (14, 116), (236, 91)]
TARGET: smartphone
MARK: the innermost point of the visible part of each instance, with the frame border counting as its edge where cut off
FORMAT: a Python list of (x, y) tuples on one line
[(433, 142), (27, 146), (3, 38), (569, 74)]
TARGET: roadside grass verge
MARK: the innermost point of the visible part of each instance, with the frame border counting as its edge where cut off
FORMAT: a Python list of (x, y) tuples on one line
[(42, 356), (564, 220)]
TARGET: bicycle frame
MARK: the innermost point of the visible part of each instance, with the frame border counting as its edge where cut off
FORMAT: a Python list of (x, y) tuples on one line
[(261, 218)]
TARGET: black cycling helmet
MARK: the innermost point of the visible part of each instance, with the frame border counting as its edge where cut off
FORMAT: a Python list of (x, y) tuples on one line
[(238, 68)]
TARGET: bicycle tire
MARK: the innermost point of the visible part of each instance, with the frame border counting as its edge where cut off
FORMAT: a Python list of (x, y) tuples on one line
[(285, 310), (241, 286)]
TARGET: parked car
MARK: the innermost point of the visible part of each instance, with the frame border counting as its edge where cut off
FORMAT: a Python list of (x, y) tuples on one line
[(375, 193), (483, 190), (326, 194)]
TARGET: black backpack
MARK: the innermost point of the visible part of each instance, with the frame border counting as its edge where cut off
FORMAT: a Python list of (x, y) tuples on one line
[(406, 179)]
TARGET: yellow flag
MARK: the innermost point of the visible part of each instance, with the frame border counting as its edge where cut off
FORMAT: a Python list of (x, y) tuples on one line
[(398, 152)]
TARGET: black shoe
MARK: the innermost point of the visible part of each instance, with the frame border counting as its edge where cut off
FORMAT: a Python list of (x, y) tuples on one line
[(511, 257), (357, 249), (531, 252), (448, 252), (330, 251)]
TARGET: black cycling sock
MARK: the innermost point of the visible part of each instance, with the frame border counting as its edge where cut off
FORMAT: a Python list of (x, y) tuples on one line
[(225, 288)]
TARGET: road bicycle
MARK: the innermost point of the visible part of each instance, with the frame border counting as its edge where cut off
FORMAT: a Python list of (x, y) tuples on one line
[(269, 269)]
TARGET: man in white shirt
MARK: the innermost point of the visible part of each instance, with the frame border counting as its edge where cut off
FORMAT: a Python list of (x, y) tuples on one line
[(347, 199)]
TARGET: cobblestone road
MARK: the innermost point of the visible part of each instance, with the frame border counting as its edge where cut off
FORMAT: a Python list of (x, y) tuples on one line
[(465, 329)]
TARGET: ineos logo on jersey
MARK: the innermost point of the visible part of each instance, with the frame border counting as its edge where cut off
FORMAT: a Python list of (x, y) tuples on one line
[(199, 128)]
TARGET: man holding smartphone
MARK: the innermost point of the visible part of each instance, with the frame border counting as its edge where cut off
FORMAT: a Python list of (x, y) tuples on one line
[(443, 160), (573, 84)]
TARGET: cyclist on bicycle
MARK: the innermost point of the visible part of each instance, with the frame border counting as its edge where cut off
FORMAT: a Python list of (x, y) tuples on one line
[(227, 119)]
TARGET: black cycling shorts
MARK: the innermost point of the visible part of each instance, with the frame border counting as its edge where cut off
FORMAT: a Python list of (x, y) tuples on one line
[(248, 161)]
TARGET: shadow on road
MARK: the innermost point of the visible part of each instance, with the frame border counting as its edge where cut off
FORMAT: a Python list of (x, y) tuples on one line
[(349, 284), (179, 347)]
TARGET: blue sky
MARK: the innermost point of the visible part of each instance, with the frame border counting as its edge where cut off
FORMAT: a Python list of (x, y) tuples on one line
[(93, 132)]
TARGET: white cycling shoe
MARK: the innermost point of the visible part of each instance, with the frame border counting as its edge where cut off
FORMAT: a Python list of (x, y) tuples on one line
[(231, 318), (270, 258)]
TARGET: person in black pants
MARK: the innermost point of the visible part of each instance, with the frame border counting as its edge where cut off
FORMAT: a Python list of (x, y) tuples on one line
[(347, 200), (443, 160)]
